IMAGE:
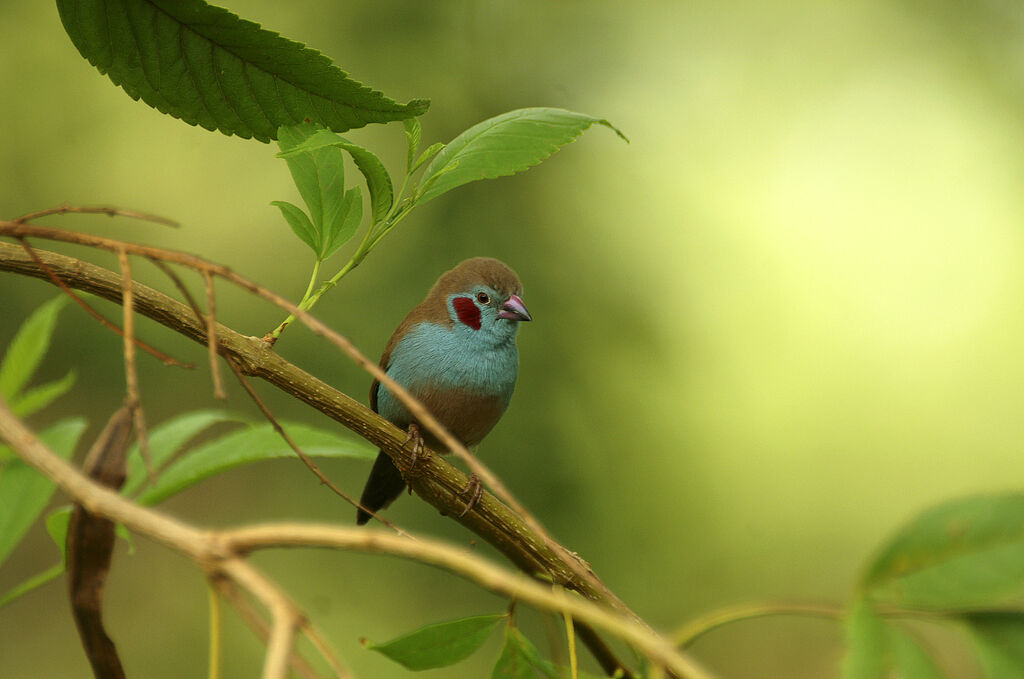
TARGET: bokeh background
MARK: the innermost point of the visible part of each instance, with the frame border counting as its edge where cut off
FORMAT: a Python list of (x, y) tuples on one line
[(779, 323)]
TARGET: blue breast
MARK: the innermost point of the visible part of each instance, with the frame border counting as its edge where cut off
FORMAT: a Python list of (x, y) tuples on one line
[(437, 357)]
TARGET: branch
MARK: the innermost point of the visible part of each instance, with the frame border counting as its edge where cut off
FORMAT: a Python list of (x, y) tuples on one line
[(222, 553), (436, 481)]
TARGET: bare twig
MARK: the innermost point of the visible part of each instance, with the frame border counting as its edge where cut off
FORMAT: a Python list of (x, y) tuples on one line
[(109, 211), (167, 360), (133, 401), (306, 459), (211, 337), (222, 552)]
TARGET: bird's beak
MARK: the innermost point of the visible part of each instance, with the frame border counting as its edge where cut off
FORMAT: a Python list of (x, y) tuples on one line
[(514, 310)]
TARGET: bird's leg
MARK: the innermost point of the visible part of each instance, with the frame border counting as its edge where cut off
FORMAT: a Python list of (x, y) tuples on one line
[(417, 447), (474, 490)]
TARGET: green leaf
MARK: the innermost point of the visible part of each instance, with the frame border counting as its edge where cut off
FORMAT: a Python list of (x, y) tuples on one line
[(57, 523), (519, 659), (504, 145), (439, 645), (28, 347), (37, 398), (299, 222), (208, 67), (964, 553), (431, 151), (24, 492), (351, 215), (999, 641), (248, 445), (412, 140), (168, 439), (879, 650), (378, 181)]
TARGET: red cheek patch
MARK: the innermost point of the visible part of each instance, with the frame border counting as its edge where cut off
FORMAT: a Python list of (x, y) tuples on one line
[(467, 311)]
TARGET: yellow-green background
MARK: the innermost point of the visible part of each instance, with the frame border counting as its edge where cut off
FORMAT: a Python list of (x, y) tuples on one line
[(770, 330)]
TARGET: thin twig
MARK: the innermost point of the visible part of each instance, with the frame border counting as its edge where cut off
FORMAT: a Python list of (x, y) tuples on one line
[(222, 552), (258, 626), (694, 629), (306, 459), (132, 400), (109, 211), (211, 338), (167, 360)]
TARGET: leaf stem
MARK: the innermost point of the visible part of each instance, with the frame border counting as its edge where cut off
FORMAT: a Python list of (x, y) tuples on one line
[(698, 627), (215, 627), (291, 317)]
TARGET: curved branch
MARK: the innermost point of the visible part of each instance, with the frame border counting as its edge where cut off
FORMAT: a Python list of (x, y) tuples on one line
[(223, 552)]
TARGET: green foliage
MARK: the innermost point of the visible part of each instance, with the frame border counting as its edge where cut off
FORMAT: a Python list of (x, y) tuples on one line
[(967, 552), (439, 645), (24, 492), (519, 659), (24, 356), (877, 649), (251, 444), (999, 641), (503, 145), (208, 67)]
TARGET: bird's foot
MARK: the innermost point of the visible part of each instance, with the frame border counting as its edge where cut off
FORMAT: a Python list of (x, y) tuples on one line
[(416, 439), (474, 490)]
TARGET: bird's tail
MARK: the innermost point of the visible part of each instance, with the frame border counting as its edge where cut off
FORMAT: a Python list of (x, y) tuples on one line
[(382, 488)]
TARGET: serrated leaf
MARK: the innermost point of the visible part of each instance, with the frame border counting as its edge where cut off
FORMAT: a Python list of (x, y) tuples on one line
[(877, 649), (412, 140), (347, 221), (519, 659), (963, 553), (999, 641), (37, 398), (439, 645), (168, 438), (27, 348), (378, 181), (248, 445), (504, 145), (208, 67), (299, 223), (24, 492)]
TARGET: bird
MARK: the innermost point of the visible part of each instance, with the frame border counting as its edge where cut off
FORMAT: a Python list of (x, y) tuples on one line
[(456, 353)]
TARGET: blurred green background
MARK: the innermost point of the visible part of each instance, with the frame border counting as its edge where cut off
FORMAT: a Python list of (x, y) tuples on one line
[(782, 321)]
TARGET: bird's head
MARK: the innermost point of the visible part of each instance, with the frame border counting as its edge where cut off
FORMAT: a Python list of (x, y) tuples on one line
[(483, 296)]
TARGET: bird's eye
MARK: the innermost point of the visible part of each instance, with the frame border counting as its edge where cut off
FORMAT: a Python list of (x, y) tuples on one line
[(482, 297)]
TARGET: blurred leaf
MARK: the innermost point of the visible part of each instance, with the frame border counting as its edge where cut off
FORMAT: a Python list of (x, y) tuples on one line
[(26, 350), (879, 650), (412, 140), (519, 659), (439, 645), (999, 640), (378, 181), (299, 222), (208, 67), (37, 398), (504, 145), (252, 444), (168, 438), (967, 552), (24, 492), (57, 526)]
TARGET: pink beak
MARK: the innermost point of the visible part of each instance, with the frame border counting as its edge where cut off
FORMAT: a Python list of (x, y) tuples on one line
[(514, 310)]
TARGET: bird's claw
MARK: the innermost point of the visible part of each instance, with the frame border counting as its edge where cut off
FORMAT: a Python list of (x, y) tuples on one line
[(416, 438), (475, 490)]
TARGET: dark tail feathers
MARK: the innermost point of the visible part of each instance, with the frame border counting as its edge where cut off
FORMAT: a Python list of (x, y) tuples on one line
[(382, 488)]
